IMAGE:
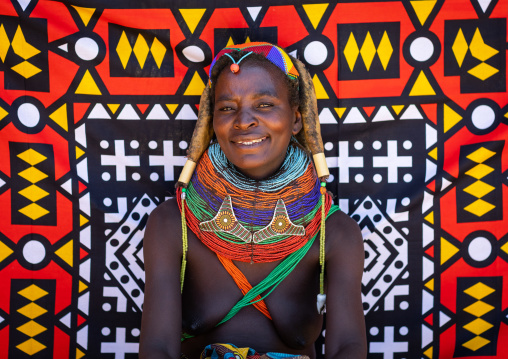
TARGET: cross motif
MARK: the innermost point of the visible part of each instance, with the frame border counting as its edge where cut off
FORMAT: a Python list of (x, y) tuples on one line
[(392, 161), (120, 160), (167, 160), (120, 347), (344, 162), (389, 346)]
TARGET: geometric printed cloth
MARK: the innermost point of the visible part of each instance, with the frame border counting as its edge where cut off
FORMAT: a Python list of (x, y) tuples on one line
[(98, 100)]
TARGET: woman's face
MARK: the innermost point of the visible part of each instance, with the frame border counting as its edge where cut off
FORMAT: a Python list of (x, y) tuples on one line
[(253, 119)]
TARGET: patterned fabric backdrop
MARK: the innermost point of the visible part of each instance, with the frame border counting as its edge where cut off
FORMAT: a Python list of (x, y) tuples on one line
[(97, 104)]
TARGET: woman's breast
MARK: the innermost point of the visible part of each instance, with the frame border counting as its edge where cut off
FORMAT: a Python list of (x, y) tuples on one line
[(210, 293)]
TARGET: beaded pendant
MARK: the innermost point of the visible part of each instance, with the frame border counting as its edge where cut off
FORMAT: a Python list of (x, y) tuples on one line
[(226, 221)]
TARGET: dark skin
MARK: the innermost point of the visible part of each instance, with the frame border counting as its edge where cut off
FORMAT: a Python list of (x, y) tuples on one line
[(253, 122)]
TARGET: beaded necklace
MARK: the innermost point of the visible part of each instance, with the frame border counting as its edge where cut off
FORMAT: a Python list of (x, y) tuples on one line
[(253, 205)]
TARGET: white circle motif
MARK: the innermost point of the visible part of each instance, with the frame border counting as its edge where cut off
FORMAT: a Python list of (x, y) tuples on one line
[(106, 176), (183, 145), (377, 178), (134, 144), (315, 53), (480, 249), (377, 145), (86, 49), (28, 115), (374, 331), (194, 53), (107, 202), (136, 176), (421, 49), (483, 117), (154, 176), (328, 146), (359, 178), (34, 252)]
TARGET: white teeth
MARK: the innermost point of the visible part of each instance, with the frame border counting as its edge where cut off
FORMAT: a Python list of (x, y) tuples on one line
[(251, 142)]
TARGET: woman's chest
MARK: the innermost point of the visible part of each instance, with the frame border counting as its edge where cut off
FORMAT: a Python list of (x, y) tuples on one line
[(210, 293)]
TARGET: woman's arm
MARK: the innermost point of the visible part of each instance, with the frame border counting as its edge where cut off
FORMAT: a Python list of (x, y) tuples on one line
[(161, 325), (345, 324)]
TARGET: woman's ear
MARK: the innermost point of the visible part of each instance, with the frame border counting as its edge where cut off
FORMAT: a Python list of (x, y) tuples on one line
[(297, 125)]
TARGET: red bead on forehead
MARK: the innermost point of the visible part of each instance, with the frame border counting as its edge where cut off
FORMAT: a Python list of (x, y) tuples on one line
[(234, 68), (235, 65)]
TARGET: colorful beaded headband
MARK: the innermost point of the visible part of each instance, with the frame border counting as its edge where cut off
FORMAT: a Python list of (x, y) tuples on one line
[(271, 52)]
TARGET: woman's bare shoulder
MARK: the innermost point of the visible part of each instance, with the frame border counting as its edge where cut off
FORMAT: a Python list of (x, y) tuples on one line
[(164, 226), (343, 233)]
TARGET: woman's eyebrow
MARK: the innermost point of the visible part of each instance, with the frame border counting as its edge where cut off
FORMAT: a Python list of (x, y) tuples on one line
[(265, 93)]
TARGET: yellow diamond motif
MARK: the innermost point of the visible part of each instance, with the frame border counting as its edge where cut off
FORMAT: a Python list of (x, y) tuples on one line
[(31, 346), (478, 309), (479, 171), (479, 291), (31, 328), (479, 48), (4, 43), (33, 193), (32, 157), (481, 155), (33, 292), (21, 47), (32, 310), (26, 69), (124, 49), (158, 51), (483, 71), (479, 189), (460, 47), (34, 211), (368, 50), (141, 50), (476, 343), (32, 174), (351, 51), (479, 207), (385, 50), (478, 326)]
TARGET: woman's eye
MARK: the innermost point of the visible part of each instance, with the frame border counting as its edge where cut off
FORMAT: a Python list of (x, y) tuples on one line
[(265, 105), (225, 108)]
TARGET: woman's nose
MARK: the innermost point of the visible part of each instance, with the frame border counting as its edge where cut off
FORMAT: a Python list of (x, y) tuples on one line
[(244, 120)]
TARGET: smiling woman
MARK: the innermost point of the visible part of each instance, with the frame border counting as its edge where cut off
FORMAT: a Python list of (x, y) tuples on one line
[(251, 270)]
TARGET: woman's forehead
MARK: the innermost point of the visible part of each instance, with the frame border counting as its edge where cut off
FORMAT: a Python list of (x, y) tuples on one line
[(255, 78)]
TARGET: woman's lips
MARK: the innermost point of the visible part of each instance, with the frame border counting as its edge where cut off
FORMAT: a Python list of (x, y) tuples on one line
[(250, 142)]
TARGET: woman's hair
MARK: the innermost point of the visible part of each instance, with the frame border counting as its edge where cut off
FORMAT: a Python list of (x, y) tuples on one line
[(254, 59)]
